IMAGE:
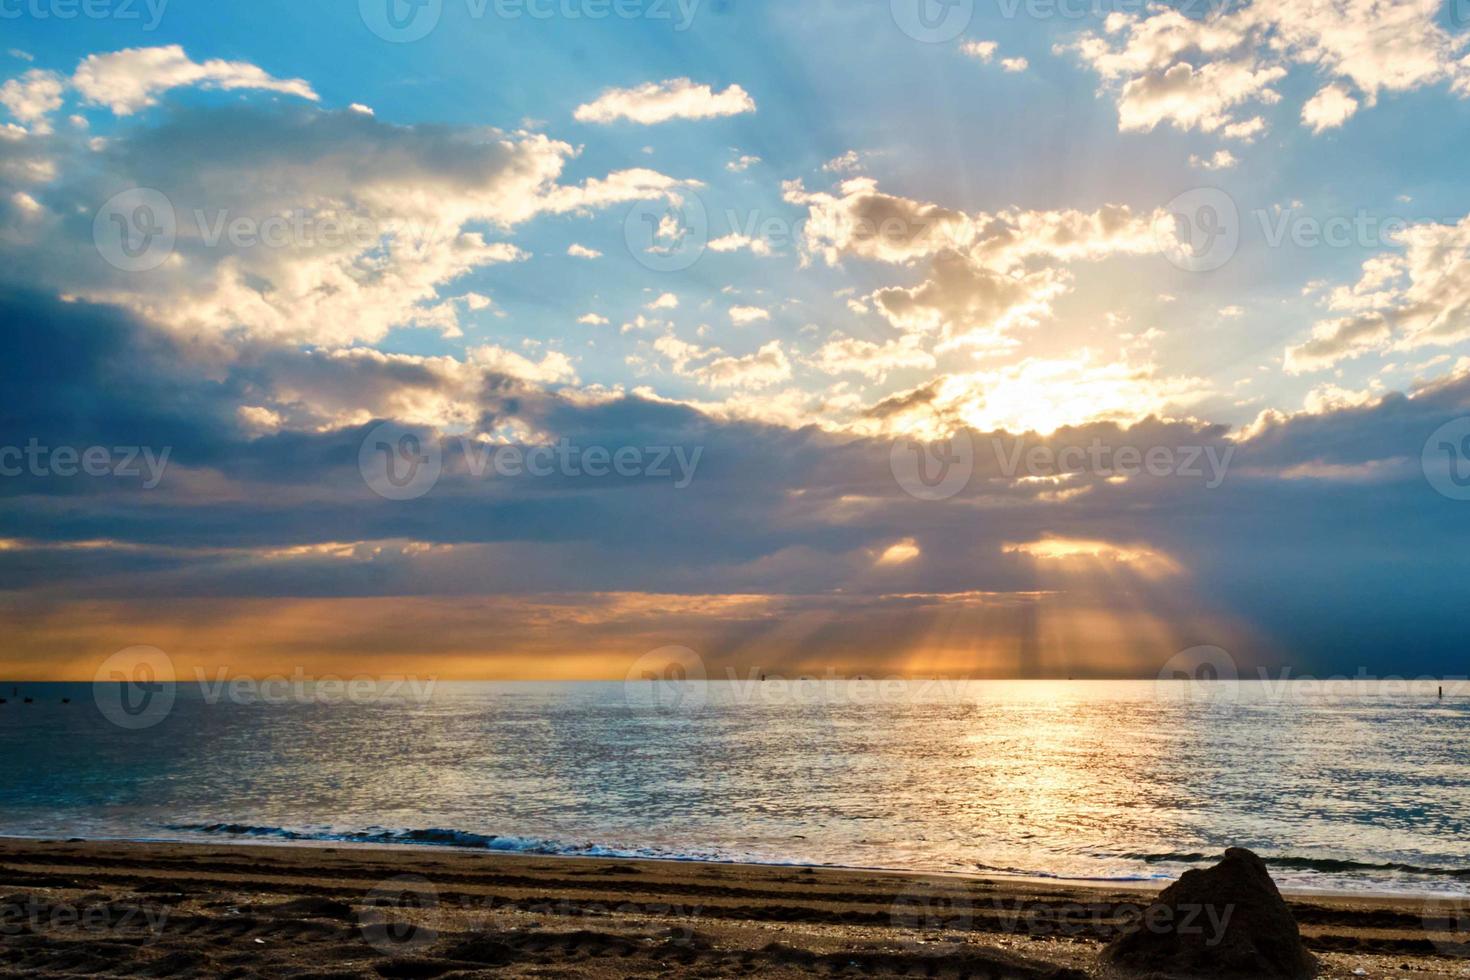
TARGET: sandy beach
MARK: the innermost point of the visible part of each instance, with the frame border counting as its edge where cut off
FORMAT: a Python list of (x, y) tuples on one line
[(178, 910)]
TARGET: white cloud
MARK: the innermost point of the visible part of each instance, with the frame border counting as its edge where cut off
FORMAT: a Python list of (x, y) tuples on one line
[(658, 102), (1219, 160), (874, 361), (849, 162), (765, 367), (742, 315), (980, 50), (716, 369), (664, 301), (1329, 108), (735, 242), (552, 368), (988, 273), (1200, 72), (359, 107), (1402, 300), (577, 251), (592, 319), (369, 223), (128, 80), (1014, 64), (742, 163), (33, 96)]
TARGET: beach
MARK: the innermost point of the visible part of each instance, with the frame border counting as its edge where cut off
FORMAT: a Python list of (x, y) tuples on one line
[(255, 910)]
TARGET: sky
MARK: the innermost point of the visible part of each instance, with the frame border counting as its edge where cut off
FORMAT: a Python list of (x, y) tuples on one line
[(529, 338)]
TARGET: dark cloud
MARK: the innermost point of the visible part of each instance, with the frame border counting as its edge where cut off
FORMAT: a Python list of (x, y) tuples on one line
[(1292, 550)]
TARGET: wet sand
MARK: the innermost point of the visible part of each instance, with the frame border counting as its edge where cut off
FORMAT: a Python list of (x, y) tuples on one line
[(184, 910)]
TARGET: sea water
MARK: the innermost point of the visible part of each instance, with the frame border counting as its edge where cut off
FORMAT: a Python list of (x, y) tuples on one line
[(1358, 785)]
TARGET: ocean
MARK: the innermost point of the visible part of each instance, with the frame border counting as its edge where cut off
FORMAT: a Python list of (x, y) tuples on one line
[(1354, 785)]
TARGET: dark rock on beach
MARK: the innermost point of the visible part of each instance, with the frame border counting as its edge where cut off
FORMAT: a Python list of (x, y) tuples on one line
[(1223, 922)]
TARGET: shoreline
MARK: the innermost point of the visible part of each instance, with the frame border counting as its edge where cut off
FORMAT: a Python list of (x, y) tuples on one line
[(356, 910), (1032, 879)]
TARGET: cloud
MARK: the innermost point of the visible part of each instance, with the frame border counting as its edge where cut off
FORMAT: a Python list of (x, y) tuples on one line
[(1329, 108), (735, 242), (1041, 395), (989, 273), (742, 163), (849, 162), (33, 96), (874, 361), (980, 50), (128, 80), (1165, 67), (660, 102), (1014, 64), (592, 319), (582, 252), (1085, 551), (352, 226), (1219, 160), (744, 315), (900, 553), (553, 367), (716, 369), (1403, 300), (663, 301), (765, 367), (783, 525)]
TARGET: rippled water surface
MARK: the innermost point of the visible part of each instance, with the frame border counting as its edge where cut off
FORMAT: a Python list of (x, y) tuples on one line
[(1364, 788)]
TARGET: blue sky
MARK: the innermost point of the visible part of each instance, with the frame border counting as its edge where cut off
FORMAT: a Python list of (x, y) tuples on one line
[(1029, 177)]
